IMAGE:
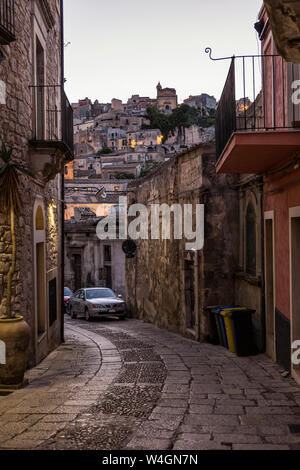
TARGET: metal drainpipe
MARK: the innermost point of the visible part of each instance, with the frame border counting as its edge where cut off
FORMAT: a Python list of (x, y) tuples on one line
[(62, 331)]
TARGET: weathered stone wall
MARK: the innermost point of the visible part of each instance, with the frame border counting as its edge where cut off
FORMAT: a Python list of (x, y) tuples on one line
[(220, 254), (284, 17), (16, 129), (156, 276)]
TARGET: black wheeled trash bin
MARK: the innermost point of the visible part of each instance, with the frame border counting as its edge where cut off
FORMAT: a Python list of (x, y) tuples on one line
[(243, 332), (213, 337)]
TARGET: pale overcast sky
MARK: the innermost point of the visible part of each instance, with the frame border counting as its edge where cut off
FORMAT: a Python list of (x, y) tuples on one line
[(124, 47)]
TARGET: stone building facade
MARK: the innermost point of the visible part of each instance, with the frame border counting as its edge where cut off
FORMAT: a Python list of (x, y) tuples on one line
[(284, 16), (201, 102), (140, 103), (31, 75), (90, 262), (167, 285), (82, 193), (167, 99)]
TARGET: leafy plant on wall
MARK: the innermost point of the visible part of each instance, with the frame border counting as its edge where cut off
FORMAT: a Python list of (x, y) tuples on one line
[(10, 205)]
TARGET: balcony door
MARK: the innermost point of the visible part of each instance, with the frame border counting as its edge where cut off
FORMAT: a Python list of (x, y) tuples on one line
[(279, 79), (293, 77), (39, 270), (39, 90)]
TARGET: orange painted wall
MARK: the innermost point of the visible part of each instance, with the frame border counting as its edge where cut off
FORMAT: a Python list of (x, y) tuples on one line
[(280, 203), (287, 184)]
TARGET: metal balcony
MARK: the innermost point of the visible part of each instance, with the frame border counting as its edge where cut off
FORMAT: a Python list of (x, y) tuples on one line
[(7, 21), (258, 118), (52, 118), (52, 142)]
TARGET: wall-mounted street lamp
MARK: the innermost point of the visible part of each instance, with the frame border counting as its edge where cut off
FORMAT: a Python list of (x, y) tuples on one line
[(129, 247)]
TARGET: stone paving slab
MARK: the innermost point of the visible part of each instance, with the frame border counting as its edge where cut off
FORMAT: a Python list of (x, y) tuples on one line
[(223, 394), (130, 385), (33, 415)]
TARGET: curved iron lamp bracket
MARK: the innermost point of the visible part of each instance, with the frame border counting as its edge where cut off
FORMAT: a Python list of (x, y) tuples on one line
[(208, 51)]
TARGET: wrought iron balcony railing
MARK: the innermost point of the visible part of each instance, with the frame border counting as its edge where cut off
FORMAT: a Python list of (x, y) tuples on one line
[(52, 119), (67, 123), (7, 21), (260, 94)]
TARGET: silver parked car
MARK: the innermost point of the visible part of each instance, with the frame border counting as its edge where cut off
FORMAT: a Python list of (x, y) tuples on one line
[(95, 303)]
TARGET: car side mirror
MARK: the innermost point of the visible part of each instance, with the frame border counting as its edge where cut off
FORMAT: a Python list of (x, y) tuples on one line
[(120, 296)]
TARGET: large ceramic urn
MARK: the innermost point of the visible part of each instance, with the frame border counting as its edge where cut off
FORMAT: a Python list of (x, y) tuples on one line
[(14, 344)]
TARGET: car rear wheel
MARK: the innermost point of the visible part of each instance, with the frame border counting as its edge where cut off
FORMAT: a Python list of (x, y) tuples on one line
[(72, 314)]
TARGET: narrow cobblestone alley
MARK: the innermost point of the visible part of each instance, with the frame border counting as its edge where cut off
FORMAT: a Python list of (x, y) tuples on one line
[(128, 385)]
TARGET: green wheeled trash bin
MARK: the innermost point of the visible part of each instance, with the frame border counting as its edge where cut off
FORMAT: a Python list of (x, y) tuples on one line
[(218, 326), (220, 320), (243, 332)]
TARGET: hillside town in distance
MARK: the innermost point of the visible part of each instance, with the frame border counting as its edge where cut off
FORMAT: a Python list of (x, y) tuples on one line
[(121, 141), (116, 143)]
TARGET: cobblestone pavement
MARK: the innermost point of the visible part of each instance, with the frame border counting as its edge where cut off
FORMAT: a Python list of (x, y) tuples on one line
[(129, 385)]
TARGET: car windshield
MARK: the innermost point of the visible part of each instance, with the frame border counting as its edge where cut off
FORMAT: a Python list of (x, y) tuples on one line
[(100, 294), (68, 292)]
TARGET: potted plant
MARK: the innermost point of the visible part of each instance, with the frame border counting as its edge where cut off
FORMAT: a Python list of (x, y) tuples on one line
[(14, 331)]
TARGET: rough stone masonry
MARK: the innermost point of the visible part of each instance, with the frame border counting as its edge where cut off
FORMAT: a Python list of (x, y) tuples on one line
[(171, 287)]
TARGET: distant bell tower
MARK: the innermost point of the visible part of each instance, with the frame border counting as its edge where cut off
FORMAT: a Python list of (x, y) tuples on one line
[(166, 99)]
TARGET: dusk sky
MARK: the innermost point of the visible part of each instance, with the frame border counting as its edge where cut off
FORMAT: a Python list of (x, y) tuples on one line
[(120, 48)]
